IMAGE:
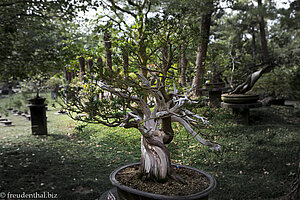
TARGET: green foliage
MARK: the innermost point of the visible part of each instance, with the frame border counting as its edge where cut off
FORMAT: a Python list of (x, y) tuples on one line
[(294, 83), (17, 101), (35, 84), (283, 82), (83, 96), (142, 41), (31, 36), (55, 82)]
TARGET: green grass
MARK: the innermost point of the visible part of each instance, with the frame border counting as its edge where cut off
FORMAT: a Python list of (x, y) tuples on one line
[(75, 159)]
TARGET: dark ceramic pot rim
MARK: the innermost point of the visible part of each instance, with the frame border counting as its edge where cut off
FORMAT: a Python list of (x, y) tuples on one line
[(239, 98), (240, 95), (206, 192), (37, 100), (215, 83)]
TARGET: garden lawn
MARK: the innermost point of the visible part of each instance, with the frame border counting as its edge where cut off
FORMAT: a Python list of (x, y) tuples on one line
[(74, 161)]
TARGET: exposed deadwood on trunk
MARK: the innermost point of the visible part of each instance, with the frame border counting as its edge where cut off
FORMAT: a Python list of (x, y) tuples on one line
[(252, 79), (155, 159), (155, 156)]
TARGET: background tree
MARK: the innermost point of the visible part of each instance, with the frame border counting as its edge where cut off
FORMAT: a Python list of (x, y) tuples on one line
[(31, 34), (203, 45)]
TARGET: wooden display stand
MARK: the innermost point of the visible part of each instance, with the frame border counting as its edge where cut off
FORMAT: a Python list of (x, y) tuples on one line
[(38, 117), (214, 93)]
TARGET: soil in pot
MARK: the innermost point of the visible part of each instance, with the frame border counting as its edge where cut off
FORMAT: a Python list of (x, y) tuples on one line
[(196, 182)]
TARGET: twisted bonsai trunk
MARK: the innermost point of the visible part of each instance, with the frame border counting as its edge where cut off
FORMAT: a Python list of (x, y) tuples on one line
[(155, 159)]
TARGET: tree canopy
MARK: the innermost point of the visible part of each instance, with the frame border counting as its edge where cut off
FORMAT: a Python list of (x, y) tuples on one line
[(32, 34)]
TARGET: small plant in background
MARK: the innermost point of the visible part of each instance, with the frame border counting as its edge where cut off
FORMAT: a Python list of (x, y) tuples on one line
[(17, 104), (54, 83), (297, 109), (8, 105), (3, 111), (295, 84)]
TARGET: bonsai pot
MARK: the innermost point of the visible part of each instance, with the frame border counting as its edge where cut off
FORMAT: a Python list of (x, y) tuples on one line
[(37, 100), (126, 193), (239, 98)]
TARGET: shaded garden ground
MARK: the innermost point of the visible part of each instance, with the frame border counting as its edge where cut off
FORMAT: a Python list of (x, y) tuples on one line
[(75, 160)]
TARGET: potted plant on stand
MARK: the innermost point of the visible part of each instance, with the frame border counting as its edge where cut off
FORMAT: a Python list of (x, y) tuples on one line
[(35, 85), (137, 94), (37, 107), (239, 101)]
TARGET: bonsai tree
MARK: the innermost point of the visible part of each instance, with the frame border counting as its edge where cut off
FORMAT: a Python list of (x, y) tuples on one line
[(35, 84), (252, 79), (139, 87)]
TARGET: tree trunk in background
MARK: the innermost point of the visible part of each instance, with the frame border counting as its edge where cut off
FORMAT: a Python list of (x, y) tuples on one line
[(125, 63), (90, 65), (81, 66), (253, 42), (100, 68), (261, 22), (202, 48), (183, 66), (108, 53), (164, 52)]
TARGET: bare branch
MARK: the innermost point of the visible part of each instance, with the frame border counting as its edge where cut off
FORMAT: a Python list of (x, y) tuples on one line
[(132, 3), (138, 100), (115, 6), (212, 146)]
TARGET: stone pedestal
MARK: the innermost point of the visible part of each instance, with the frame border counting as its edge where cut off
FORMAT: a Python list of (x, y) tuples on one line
[(215, 90), (215, 97), (38, 118), (241, 110)]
